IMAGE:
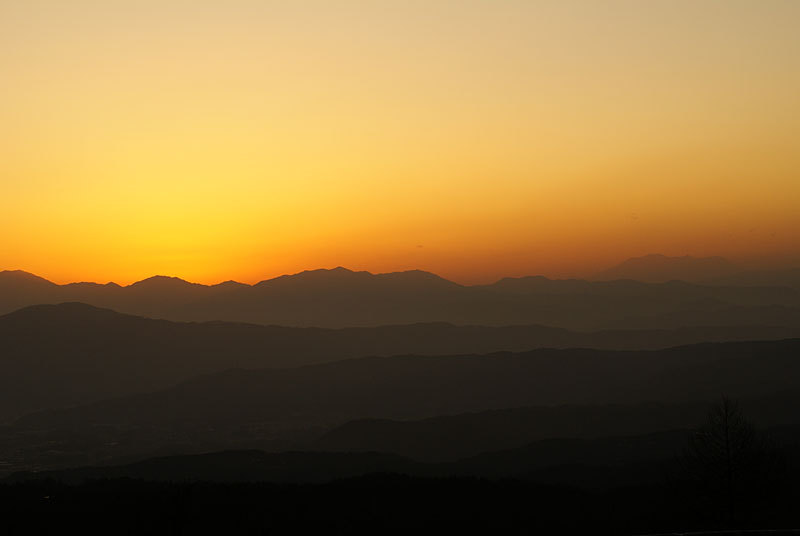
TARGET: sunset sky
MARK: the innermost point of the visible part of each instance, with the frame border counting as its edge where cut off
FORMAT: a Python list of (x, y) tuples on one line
[(244, 139)]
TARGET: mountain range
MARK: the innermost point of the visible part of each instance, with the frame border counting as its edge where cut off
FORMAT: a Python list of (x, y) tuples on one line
[(344, 298), (403, 371)]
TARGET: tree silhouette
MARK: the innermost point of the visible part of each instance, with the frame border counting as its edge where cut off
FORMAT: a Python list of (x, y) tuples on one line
[(733, 464)]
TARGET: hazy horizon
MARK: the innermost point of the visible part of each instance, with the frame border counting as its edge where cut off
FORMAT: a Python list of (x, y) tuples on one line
[(486, 279), (471, 139)]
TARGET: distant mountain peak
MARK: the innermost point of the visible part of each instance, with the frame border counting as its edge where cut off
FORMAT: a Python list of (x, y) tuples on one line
[(230, 284), (17, 273), (331, 277), (307, 275), (658, 268), (417, 281), (420, 275), (22, 275), (163, 281)]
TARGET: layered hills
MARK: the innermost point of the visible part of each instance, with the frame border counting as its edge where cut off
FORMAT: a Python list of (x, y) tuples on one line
[(343, 298), (72, 353)]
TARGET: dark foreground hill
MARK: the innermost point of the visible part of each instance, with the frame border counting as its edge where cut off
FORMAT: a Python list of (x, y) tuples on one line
[(376, 504), (279, 409), (601, 462), (343, 298), (56, 355), (551, 460), (614, 485)]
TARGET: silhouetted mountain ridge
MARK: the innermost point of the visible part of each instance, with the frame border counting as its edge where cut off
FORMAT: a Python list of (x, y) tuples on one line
[(344, 298), (164, 282)]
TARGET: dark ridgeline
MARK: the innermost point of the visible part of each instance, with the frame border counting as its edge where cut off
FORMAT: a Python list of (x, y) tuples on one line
[(529, 405), (343, 298)]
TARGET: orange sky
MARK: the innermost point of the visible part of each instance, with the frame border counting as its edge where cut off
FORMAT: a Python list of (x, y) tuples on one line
[(473, 138)]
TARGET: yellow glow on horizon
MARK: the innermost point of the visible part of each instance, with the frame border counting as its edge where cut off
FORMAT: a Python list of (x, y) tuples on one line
[(475, 139)]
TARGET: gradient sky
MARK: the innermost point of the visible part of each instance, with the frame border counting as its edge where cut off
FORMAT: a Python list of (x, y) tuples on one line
[(243, 139)]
